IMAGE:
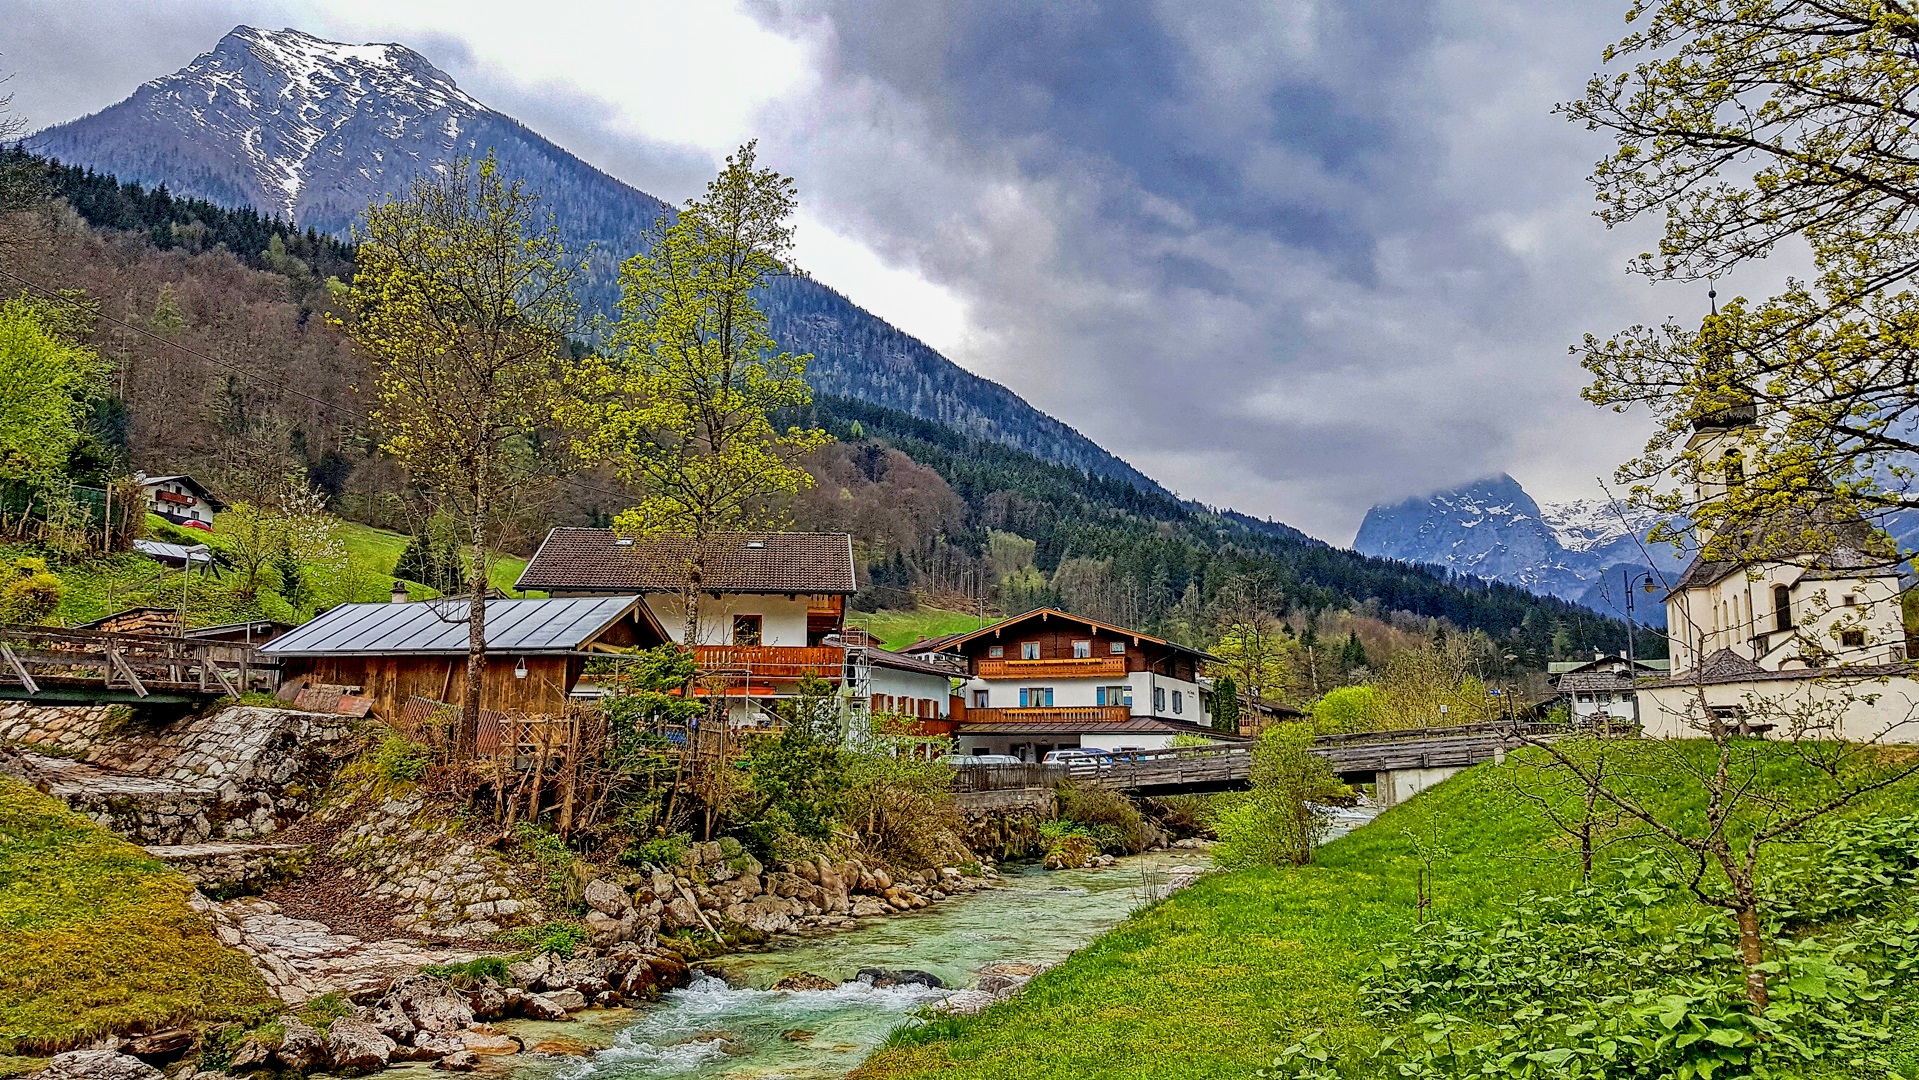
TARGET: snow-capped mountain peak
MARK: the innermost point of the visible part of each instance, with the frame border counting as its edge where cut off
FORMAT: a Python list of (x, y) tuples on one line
[(1583, 525), (298, 106)]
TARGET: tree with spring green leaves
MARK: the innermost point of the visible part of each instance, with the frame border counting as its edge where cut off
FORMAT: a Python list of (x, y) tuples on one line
[(697, 380), (1743, 124), (48, 383), (1226, 705), (463, 303)]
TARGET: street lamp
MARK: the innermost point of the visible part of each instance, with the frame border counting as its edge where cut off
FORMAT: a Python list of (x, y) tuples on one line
[(1634, 582)]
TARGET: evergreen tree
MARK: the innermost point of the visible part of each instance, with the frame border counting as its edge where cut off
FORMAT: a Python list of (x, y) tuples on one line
[(1226, 706)]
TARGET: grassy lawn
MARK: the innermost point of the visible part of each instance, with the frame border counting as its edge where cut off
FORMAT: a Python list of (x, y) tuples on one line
[(96, 936), (897, 629), (1217, 980), (100, 586)]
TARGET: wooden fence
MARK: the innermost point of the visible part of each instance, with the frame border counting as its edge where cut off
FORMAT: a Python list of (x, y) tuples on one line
[(48, 660)]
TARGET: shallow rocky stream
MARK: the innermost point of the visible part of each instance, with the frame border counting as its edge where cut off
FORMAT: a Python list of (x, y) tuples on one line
[(728, 1024)]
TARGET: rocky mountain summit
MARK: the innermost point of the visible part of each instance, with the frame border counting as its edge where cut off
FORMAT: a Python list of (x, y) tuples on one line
[(1491, 528), (314, 130)]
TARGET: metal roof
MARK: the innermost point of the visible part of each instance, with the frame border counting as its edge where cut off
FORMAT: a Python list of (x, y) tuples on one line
[(180, 553), (439, 626)]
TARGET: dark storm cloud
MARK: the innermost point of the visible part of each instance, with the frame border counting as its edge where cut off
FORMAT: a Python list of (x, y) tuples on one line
[(1296, 258)]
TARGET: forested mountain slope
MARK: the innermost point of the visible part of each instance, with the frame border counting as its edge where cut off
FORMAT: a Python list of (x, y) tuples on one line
[(313, 131)]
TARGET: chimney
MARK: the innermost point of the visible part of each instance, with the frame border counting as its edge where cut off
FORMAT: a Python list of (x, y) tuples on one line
[(399, 591)]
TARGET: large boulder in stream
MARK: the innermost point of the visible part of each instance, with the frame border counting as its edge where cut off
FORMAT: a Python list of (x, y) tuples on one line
[(881, 978)]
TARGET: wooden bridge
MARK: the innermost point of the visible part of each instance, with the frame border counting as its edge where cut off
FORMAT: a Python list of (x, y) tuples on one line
[(1189, 770), (87, 667)]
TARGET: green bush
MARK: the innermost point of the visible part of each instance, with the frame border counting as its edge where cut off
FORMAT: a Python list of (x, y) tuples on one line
[(400, 760), (1109, 818), (1276, 822), (663, 851), (1349, 709), (470, 973), (558, 938)]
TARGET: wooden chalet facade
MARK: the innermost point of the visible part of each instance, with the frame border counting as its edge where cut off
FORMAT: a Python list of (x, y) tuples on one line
[(1049, 680), (773, 611), (536, 649)]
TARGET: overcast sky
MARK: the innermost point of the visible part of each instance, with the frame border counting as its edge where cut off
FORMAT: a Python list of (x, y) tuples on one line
[(1290, 257)]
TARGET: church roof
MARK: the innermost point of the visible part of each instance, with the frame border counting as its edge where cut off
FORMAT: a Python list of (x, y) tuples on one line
[(1853, 553)]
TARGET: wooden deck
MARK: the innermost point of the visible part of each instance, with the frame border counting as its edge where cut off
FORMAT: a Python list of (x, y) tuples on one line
[(59, 666)]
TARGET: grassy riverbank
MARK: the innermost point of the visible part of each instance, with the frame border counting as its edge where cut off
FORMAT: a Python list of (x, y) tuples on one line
[(96, 936), (1217, 980)]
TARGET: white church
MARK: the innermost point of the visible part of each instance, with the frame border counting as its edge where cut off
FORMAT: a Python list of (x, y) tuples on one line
[(1782, 644)]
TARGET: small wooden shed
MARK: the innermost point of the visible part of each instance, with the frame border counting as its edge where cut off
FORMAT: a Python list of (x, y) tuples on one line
[(536, 649)]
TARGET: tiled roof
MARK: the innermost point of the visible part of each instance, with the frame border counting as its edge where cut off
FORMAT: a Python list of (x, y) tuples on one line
[(1589, 681), (885, 658), (1855, 548), (1725, 664), (946, 643), (1755, 673), (595, 560), (439, 627)]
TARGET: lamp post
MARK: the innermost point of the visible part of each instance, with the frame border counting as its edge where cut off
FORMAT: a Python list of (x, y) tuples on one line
[(1634, 582)]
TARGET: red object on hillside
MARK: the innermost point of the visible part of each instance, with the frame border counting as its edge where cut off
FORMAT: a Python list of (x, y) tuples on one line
[(196, 524)]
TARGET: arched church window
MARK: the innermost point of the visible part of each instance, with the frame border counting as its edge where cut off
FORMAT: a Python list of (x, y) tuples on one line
[(1781, 607), (1735, 470)]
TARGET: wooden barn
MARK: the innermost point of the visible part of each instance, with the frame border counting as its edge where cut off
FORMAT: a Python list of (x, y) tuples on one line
[(536, 649)]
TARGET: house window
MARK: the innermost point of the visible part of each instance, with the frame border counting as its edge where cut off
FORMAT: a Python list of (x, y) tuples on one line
[(1115, 695), (1852, 639), (996, 651), (1117, 648), (1849, 600), (1179, 702), (1035, 697), (1781, 608), (1159, 699), (979, 699), (1029, 650), (746, 629), (1082, 650)]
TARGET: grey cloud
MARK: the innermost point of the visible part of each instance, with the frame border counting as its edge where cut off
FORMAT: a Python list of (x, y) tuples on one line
[(1296, 258)]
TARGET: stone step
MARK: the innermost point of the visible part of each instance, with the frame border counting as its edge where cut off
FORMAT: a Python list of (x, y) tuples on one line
[(146, 809), (223, 869)]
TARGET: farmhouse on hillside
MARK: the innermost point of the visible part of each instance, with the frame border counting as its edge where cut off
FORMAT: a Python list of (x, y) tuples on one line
[(1048, 680), (179, 498)]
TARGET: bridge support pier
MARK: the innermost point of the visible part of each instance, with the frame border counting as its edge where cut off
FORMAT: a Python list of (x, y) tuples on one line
[(1395, 786)]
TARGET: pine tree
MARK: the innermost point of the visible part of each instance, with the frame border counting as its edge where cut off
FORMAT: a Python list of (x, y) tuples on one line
[(1225, 706)]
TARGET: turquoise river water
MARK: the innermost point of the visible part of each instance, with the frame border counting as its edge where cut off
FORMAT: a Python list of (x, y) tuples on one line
[(728, 1024)]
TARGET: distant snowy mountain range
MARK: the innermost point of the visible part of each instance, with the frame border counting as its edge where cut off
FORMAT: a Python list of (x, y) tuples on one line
[(1580, 551)]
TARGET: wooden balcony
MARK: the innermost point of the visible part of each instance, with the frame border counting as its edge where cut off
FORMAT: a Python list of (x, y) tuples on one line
[(772, 661), (1089, 667), (1051, 714)]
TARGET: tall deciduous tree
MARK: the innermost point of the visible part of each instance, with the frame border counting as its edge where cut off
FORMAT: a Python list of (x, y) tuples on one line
[(699, 379), (47, 384), (463, 303), (1742, 124)]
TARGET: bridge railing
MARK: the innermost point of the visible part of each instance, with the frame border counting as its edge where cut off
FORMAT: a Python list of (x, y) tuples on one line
[(140, 663)]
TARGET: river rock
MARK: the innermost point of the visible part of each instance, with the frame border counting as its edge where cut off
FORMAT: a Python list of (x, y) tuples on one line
[(302, 1047), (880, 978), (866, 907), (432, 1004), (357, 1046), (606, 898), (487, 1000), (541, 1007), (967, 1002), (487, 1042), (160, 1044), (530, 974), (567, 998), (459, 1061), (804, 980), (97, 1065)]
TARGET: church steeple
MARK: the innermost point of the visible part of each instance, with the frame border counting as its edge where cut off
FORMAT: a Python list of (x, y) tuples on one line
[(1726, 418)]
